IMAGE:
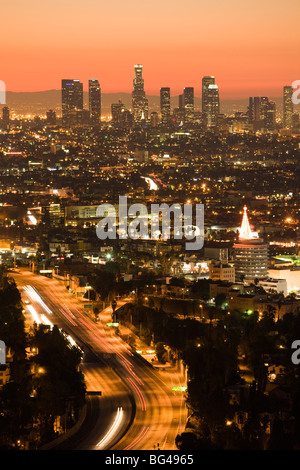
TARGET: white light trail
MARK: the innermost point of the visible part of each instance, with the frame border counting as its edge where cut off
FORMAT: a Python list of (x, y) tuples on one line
[(112, 430), (71, 340), (45, 321), (31, 292), (34, 314)]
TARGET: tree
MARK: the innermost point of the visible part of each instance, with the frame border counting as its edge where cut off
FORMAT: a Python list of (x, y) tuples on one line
[(201, 288), (161, 353), (188, 441), (15, 416), (12, 326), (220, 300), (60, 386), (103, 282)]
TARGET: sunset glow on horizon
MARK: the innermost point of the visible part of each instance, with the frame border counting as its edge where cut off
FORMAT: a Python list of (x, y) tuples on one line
[(250, 47)]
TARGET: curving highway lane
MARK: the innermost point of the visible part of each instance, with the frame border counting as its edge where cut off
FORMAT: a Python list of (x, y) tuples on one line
[(137, 409)]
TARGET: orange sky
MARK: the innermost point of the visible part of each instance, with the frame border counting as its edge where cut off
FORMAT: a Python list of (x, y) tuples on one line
[(252, 47)]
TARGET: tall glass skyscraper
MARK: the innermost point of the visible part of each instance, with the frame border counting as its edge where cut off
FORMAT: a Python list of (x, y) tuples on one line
[(188, 99), (165, 105), (254, 108), (212, 105), (206, 81), (139, 100), (95, 102), (262, 110), (288, 107), (72, 100), (268, 114)]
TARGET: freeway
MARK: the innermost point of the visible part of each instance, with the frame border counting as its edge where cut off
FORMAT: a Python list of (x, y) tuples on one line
[(137, 409)]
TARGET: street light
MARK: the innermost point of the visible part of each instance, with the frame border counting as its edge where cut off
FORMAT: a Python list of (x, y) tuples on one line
[(88, 288)]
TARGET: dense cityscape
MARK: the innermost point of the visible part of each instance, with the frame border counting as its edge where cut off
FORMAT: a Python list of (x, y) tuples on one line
[(135, 339), (234, 301)]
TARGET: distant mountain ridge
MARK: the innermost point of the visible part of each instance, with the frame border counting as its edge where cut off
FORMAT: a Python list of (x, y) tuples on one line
[(39, 102)]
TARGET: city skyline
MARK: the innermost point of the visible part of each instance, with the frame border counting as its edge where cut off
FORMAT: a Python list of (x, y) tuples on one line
[(150, 228), (72, 101), (198, 89), (182, 46)]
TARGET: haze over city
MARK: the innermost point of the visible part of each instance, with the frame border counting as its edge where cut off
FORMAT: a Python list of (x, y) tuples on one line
[(250, 46)]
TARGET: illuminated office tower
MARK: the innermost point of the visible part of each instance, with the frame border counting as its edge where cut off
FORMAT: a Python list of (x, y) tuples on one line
[(288, 108), (165, 105), (95, 102), (53, 214), (251, 254), (213, 105), (139, 100), (72, 100), (122, 118), (116, 112), (262, 112), (268, 114), (254, 108), (188, 99), (206, 81), (154, 119)]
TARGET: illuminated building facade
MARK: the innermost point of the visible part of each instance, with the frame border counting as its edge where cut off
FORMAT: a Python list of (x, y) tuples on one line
[(268, 114), (219, 271), (72, 100), (251, 254), (154, 119), (206, 81), (116, 112), (139, 100), (121, 117), (188, 99), (288, 108), (165, 105), (213, 105), (95, 102), (262, 112), (254, 108)]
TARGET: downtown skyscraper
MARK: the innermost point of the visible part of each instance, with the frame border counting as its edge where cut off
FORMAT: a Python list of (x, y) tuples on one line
[(72, 100), (95, 102), (254, 108), (165, 105), (262, 112), (288, 107), (268, 114), (213, 105), (139, 100), (206, 82), (188, 103)]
